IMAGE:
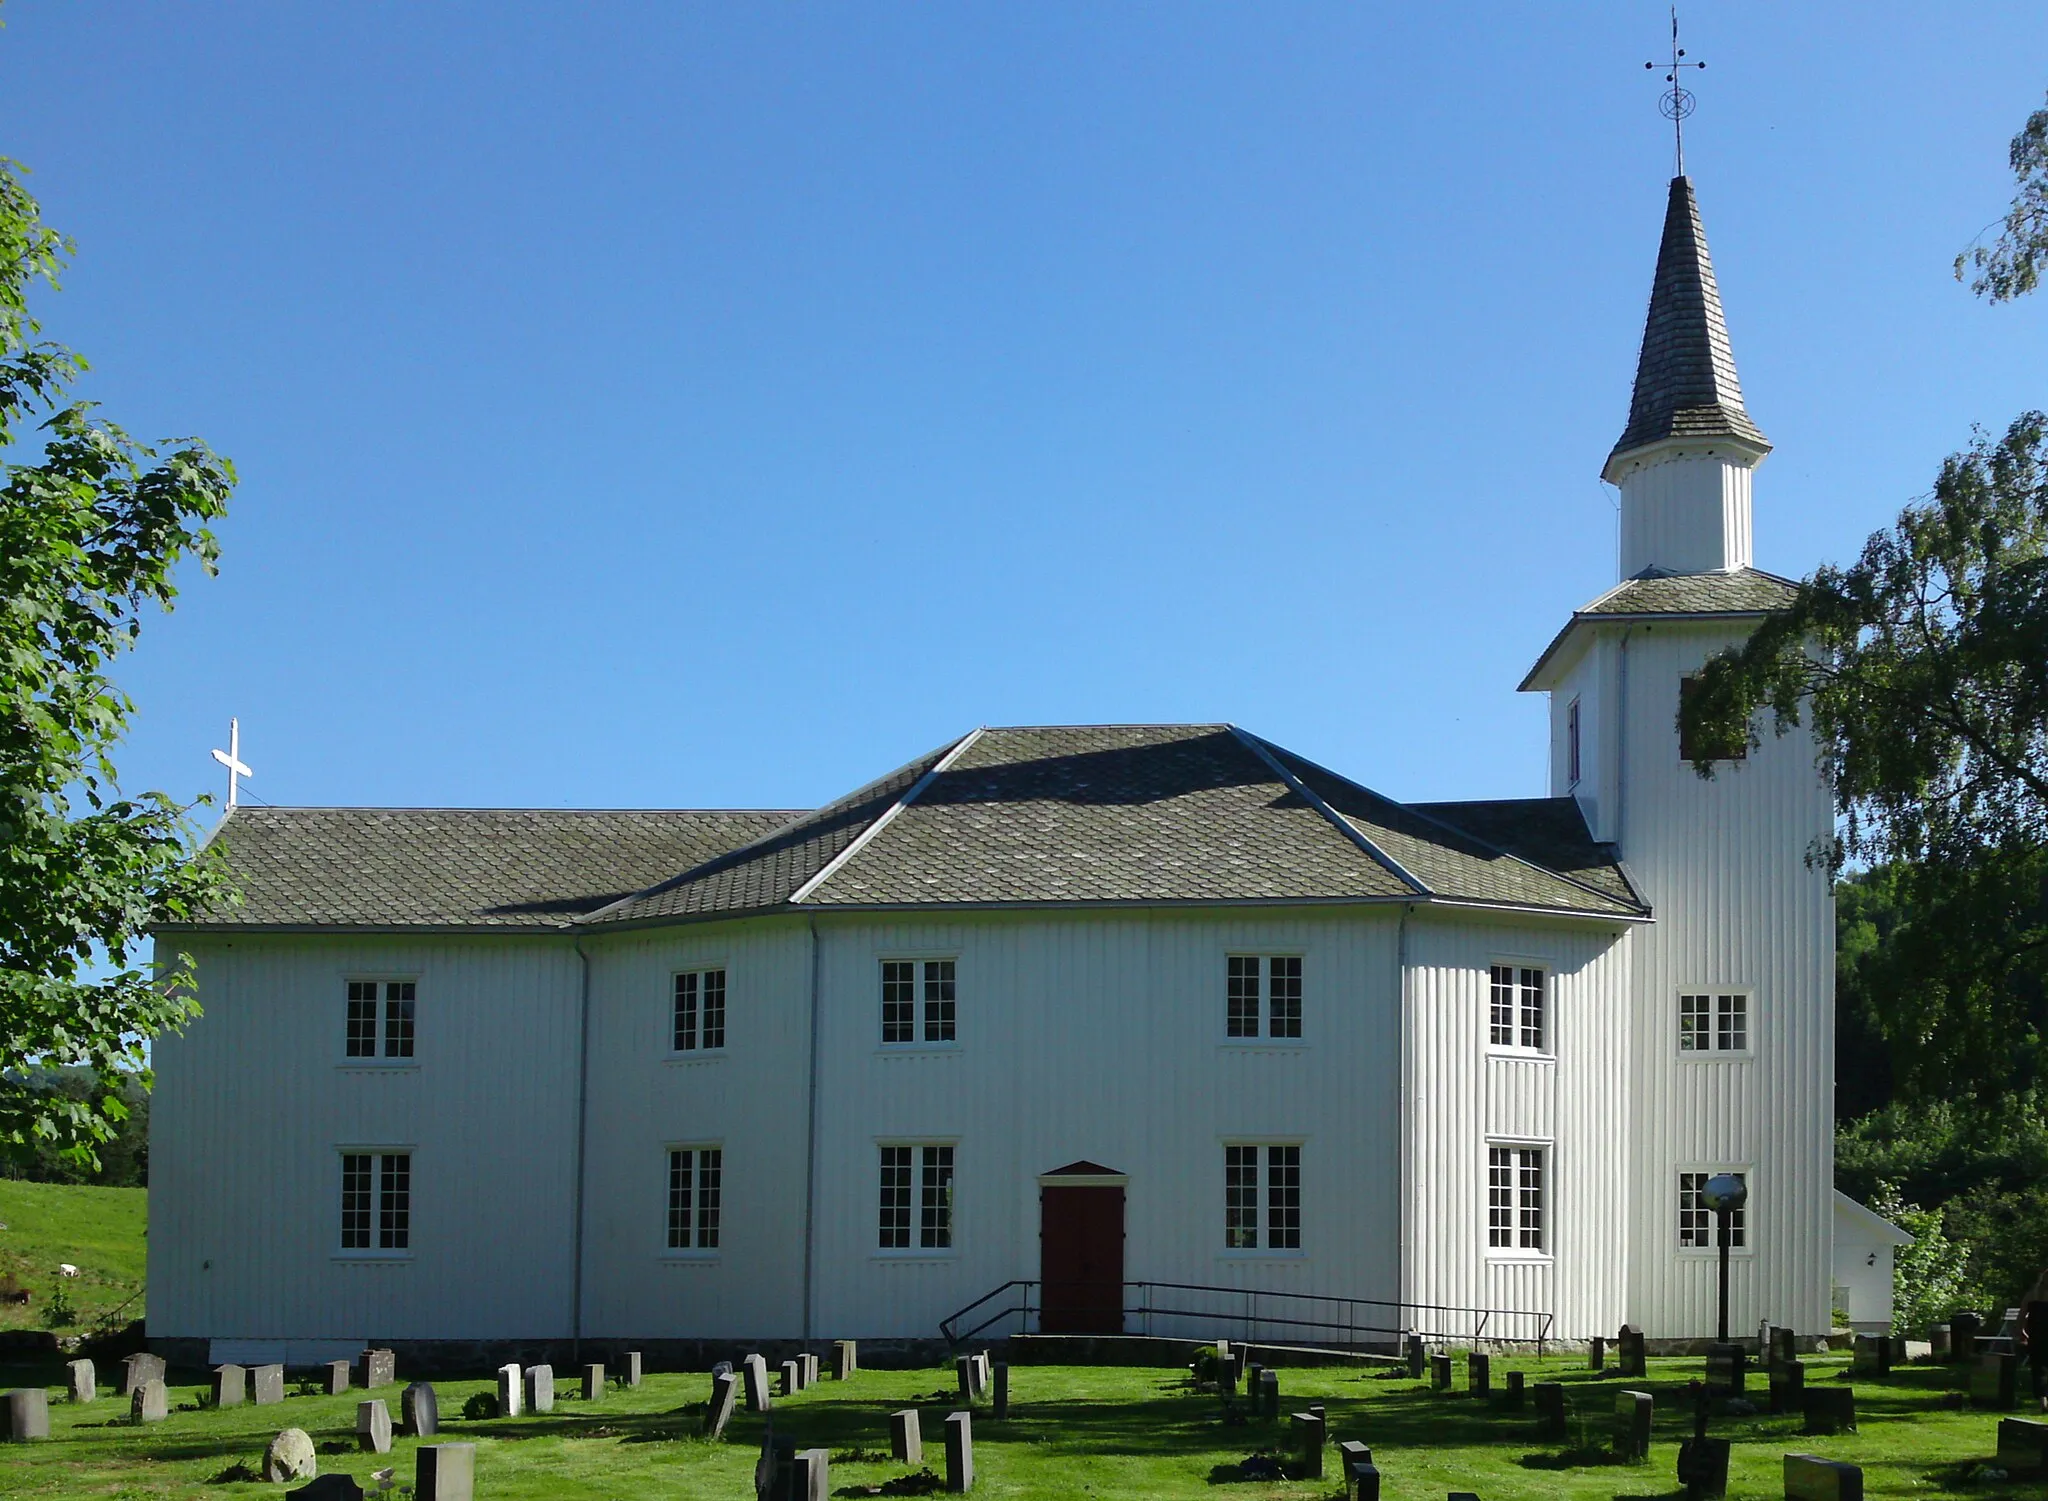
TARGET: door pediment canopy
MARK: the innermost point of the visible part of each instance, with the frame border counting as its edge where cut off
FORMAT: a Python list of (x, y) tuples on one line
[(1083, 1174)]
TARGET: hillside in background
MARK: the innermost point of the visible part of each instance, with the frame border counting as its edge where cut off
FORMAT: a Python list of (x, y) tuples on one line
[(101, 1231)]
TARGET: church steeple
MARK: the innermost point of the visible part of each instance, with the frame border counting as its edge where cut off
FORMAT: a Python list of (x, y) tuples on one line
[(1684, 461)]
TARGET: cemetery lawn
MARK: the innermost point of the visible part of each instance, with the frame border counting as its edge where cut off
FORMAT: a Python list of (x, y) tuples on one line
[(1106, 1432), (98, 1230)]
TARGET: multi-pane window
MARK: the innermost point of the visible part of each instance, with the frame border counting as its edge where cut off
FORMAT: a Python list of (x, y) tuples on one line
[(916, 1198), (919, 1001), (694, 1190), (1713, 1022), (1696, 1221), (1514, 1198), (1516, 1018), (376, 1201), (395, 1014), (1262, 1198), (1261, 990), (699, 1014)]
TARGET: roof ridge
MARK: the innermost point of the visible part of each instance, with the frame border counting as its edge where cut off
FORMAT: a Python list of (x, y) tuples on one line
[(888, 816), (1264, 751)]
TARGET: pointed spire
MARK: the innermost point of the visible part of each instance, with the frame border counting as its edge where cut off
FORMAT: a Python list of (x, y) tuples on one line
[(1685, 379)]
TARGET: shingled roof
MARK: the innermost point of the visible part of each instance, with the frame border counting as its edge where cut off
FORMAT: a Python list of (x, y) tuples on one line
[(1738, 594), (1686, 386), (1127, 814)]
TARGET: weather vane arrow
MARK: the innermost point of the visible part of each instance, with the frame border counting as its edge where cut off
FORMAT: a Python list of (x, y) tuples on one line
[(1676, 102)]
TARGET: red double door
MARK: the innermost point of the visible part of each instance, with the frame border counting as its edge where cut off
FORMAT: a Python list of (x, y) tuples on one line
[(1081, 1252)]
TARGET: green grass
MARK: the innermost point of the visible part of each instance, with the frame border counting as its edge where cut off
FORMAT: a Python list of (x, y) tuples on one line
[(1072, 1431), (98, 1230)]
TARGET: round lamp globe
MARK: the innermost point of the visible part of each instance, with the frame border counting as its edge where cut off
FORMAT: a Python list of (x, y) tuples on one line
[(1724, 1192)]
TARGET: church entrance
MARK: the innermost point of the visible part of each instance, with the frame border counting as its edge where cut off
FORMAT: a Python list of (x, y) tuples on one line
[(1081, 1250)]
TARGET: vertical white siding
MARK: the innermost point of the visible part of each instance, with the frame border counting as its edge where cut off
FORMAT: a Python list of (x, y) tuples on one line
[(1689, 513)]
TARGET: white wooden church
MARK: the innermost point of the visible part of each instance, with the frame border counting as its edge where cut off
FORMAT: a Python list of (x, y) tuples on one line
[(1125, 1014)]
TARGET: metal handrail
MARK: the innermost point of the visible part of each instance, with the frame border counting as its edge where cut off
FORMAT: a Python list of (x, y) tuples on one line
[(1026, 1307)]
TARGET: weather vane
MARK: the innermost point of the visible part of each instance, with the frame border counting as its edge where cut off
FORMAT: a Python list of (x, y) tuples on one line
[(1677, 101)]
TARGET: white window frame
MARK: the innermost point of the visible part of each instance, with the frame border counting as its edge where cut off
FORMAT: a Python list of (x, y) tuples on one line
[(1715, 995), (1262, 1000), (1546, 1204), (1546, 1004), (924, 1004), (1711, 1251), (377, 1152), (1263, 1148), (693, 1250), (380, 1059), (700, 1053), (920, 1149)]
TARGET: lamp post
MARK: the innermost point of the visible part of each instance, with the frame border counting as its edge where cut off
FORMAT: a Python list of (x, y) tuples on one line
[(1724, 1193)]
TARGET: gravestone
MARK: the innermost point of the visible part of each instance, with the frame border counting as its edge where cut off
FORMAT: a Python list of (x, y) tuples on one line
[(540, 1389), (1725, 1366), (1632, 1414), (906, 1442), (139, 1368), (445, 1472), (754, 1376), (1226, 1376), (1269, 1395), (959, 1452), (845, 1359), (150, 1404), (1937, 1342), (1418, 1354), (631, 1367), (230, 1386), (810, 1474), (1517, 1385), (810, 1369), (1353, 1460), (373, 1426), (419, 1411), (1872, 1355), (1550, 1412), (1596, 1353), (79, 1377), (1828, 1409), (963, 1373), (1779, 1346), (1253, 1373), (984, 1375), (1788, 1382), (792, 1378), (375, 1368), (1440, 1372), (593, 1383), (2023, 1447), (1810, 1479), (1703, 1467), (290, 1457), (331, 1487), (511, 1392), (1002, 1391), (28, 1414), (1479, 1374), (1994, 1381), (772, 1469), (334, 1377), (1308, 1431), (1631, 1355), (1963, 1329), (266, 1385), (718, 1411)]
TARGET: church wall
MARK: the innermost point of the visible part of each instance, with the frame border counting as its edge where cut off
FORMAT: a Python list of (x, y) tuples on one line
[(255, 1101), (1592, 680), (1463, 1096)]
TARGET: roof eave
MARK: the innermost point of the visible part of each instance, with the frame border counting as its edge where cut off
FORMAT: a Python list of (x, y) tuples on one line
[(1749, 452)]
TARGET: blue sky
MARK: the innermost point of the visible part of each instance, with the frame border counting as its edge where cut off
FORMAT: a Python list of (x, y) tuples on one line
[(688, 405)]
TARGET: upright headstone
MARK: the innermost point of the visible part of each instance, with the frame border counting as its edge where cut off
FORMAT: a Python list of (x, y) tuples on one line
[(906, 1442), (1550, 1418), (718, 1411), (1725, 1364), (373, 1426), (1479, 1374), (1226, 1376), (419, 1411), (1253, 1374), (1596, 1353), (845, 1359), (2034, 1323), (630, 1365), (540, 1389), (1517, 1386), (1440, 1372), (1808, 1478), (290, 1457), (1994, 1380), (230, 1386), (150, 1404), (511, 1392), (793, 1379), (445, 1472), (80, 1382), (1632, 1414), (963, 1376), (1632, 1357), (1355, 1467), (334, 1378), (959, 1452), (2023, 1448), (1781, 1345), (1788, 1385), (332, 1486), (375, 1368), (1872, 1355), (1269, 1395), (1308, 1431), (28, 1414), (754, 1375), (1002, 1392), (810, 1476), (1828, 1409), (1937, 1341), (139, 1368), (266, 1385), (1963, 1329), (810, 1372), (593, 1383), (1418, 1356), (1703, 1467)]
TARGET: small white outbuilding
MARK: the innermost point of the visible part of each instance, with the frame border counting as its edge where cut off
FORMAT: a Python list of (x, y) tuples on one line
[(1865, 1243)]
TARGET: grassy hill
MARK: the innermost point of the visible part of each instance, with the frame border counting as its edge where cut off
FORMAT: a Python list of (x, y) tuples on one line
[(98, 1230)]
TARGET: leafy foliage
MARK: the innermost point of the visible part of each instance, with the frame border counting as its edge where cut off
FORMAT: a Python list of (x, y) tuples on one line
[(1927, 1276), (2011, 267), (92, 527)]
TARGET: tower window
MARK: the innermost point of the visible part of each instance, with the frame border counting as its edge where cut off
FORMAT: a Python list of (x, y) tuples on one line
[(1254, 983), (1571, 741), (1516, 1016), (1713, 1022), (1514, 1199)]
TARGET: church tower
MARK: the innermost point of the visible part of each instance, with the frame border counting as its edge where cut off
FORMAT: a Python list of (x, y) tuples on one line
[(1732, 1029)]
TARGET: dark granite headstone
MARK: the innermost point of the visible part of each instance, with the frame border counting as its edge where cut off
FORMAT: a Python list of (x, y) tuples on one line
[(1811, 1479), (1361, 1477), (445, 1472), (1780, 1345), (419, 1411), (2023, 1447), (1632, 1414), (906, 1439), (845, 1359), (1994, 1381), (1872, 1355), (1596, 1353), (718, 1411), (1550, 1410), (28, 1414), (1269, 1395), (1788, 1381), (1703, 1468), (959, 1452), (1418, 1355), (1828, 1409), (963, 1374), (593, 1383), (230, 1386), (1001, 1409), (1963, 1329), (1937, 1342), (335, 1487), (373, 1426), (1725, 1367), (1632, 1357), (1516, 1388), (1308, 1429), (1440, 1372), (1479, 1374), (266, 1385)]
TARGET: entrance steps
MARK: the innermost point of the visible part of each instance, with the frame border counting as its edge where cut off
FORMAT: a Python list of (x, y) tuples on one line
[(1156, 1350)]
